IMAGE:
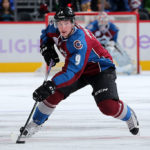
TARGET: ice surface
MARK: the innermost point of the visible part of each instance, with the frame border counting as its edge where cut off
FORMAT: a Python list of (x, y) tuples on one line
[(76, 124)]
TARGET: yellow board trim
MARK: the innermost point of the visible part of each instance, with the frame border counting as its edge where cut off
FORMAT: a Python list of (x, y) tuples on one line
[(20, 67), (145, 65), (33, 66)]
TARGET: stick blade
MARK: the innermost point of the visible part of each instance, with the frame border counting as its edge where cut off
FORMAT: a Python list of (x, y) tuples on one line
[(20, 142)]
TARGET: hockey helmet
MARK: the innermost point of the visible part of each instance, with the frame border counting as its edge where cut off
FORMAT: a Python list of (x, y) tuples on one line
[(103, 18), (64, 14)]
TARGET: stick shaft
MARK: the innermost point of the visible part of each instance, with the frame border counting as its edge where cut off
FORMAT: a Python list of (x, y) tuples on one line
[(34, 106), (27, 121), (48, 70)]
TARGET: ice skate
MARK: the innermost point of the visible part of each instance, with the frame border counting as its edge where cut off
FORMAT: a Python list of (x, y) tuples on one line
[(133, 123), (30, 129)]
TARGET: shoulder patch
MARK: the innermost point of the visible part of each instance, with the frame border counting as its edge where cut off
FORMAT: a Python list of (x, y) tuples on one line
[(77, 44)]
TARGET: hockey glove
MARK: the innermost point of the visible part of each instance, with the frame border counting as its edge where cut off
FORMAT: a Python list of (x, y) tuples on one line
[(48, 52), (45, 90)]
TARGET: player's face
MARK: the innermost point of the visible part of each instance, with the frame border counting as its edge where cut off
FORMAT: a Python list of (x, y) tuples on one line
[(65, 28), (6, 4)]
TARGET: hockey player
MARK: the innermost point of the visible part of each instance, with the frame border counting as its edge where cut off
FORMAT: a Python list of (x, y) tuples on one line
[(86, 63), (107, 34)]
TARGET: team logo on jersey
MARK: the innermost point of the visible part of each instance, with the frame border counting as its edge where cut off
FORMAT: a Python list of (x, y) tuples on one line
[(77, 44)]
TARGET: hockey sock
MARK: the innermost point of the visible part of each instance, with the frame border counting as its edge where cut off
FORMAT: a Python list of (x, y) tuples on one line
[(116, 109), (109, 107), (42, 113), (124, 112)]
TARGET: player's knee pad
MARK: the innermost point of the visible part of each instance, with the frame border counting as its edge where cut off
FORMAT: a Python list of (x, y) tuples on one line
[(109, 107), (54, 99)]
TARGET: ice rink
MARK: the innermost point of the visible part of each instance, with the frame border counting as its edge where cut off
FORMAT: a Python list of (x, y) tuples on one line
[(77, 123)]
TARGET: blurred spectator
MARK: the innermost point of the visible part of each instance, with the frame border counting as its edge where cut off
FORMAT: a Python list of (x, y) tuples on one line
[(11, 4), (86, 5), (42, 10), (6, 13), (135, 6), (100, 6)]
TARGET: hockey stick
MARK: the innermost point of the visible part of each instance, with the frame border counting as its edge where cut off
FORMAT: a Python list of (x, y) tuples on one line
[(18, 141)]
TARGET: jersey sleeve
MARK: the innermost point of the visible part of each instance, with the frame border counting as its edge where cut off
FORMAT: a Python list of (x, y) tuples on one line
[(47, 34), (92, 26), (74, 64), (115, 29)]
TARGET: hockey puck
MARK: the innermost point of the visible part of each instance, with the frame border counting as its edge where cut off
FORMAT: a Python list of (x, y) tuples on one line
[(20, 142)]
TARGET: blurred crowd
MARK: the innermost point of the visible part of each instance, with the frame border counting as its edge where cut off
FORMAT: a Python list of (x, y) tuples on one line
[(7, 9)]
